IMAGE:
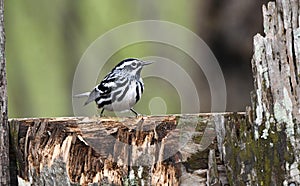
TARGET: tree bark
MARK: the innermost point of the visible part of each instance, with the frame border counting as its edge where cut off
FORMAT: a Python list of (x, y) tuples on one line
[(267, 152), (4, 135), (165, 150)]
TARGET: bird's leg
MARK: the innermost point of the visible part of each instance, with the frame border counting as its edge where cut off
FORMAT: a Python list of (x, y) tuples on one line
[(135, 112), (101, 113)]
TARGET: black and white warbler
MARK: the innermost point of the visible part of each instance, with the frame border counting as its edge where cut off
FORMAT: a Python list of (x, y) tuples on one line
[(121, 89)]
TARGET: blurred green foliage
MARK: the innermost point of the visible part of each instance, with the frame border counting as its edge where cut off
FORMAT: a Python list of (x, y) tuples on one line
[(46, 39)]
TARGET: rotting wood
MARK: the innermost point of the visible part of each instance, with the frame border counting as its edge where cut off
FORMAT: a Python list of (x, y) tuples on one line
[(267, 152), (154, 150), (260, 148)]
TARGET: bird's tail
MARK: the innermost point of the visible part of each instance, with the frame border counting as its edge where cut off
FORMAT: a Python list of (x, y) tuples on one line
[(85, 94)]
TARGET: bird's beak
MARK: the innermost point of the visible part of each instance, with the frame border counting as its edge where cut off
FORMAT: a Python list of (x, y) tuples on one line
[(147, 63)]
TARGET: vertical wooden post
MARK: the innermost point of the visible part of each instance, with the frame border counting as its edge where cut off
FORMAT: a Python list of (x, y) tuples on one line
[(266, 150), (4, 135), (276, 70)]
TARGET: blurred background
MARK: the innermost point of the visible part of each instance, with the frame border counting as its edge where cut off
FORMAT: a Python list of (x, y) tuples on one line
[(46, 39)]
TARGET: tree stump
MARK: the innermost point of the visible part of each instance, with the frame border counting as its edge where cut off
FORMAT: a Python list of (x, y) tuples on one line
[(154, 150), (267, 151), (259, 147)]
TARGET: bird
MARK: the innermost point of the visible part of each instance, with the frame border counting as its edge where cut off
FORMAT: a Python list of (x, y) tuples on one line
[(120, 89)]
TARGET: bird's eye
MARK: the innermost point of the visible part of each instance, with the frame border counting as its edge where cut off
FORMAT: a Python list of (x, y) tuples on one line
[(134, 64)]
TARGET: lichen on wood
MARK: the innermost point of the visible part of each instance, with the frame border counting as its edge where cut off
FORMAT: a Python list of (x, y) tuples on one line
[(265, 150)]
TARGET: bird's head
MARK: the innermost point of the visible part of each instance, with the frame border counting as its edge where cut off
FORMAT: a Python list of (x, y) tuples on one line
[(131, 66)]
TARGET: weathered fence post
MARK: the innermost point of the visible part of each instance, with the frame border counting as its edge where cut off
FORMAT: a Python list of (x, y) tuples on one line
[(4, 134), (267, 151)]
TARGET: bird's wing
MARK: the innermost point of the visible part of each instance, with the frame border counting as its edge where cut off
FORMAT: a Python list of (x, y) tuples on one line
[(103, 90)]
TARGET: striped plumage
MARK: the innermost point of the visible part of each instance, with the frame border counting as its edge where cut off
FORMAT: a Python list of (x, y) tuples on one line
[(122, 88)]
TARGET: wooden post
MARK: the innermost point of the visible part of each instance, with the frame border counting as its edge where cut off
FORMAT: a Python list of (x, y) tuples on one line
[(4, 135), (267, 152)]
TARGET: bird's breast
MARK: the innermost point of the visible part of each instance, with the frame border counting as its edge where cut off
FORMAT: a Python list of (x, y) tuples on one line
[(125, 99)]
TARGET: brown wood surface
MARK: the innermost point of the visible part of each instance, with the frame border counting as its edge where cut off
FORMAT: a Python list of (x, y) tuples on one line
[(154, 150)]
